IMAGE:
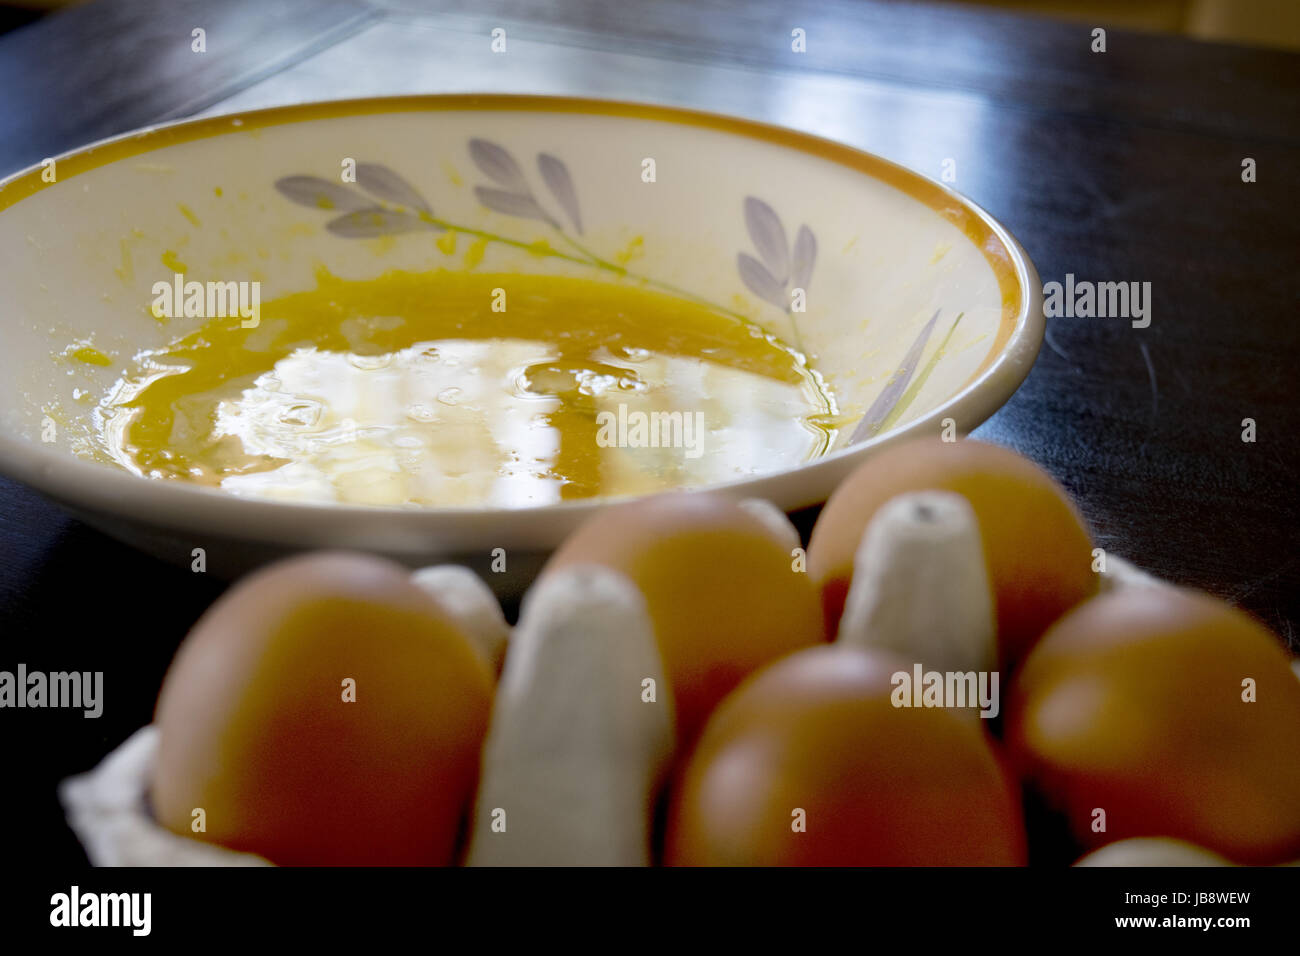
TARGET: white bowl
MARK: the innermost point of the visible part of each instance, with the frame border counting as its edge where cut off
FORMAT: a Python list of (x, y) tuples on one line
[(890, 250)]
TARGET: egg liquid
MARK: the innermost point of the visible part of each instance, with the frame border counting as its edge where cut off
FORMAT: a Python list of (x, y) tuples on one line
[(457, 389)]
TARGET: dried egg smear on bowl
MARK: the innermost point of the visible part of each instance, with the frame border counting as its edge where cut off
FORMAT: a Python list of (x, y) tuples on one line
[(215, 337)]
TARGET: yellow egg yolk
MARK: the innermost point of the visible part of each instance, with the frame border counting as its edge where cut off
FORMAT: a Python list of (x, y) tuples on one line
[(459, 389)]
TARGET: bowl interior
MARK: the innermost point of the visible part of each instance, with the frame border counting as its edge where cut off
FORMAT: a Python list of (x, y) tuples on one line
[(906, 299), (738, 221)]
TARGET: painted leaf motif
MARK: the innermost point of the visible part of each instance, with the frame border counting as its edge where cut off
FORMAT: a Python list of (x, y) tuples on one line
[(382, 183), (512, 204), (885, 402), (805, 256), (919, 381), (317, 193), (759, 281), (768, 236), (556, 176), (374, 221), (498, 165)]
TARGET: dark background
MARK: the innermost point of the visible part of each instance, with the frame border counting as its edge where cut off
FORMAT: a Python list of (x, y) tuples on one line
[(1123, 166)]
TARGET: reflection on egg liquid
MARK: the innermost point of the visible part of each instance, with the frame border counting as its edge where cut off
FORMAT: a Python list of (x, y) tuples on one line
[(411, 389)]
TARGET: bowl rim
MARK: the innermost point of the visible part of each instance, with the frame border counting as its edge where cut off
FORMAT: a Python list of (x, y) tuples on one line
[(102, 488)]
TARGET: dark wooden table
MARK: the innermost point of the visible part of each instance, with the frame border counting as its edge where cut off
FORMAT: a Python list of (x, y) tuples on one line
[(1123, 165)]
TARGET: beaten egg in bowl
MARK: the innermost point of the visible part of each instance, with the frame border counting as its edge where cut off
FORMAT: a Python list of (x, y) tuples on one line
[(474, 320), (464, 389)]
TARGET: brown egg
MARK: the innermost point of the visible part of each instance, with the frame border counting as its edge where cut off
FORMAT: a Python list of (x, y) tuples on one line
[(720, 585), (1038, 552), (324, 711), (809, 763), (1133, 705)]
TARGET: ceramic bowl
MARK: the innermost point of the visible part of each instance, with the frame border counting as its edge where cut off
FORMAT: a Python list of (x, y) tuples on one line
[(917, 306)]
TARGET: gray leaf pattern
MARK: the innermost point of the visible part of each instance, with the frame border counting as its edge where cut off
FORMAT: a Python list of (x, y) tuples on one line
[(805, 255), (556, 176), (768, 236), (317, 193), (383, 183), (767, 276), (770, 278), (512, 204), (377, 221), (893, 391), (759, 281), (498, 165)]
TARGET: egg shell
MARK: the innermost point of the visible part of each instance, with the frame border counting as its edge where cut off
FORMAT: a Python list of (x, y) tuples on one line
[(720, 584), (817, 734), (108, 809), (256, 729), (1037, 549), (471, 604), (1133, 703)]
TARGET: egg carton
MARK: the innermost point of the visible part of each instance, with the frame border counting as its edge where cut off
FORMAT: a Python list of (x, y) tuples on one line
[(579, 771)]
